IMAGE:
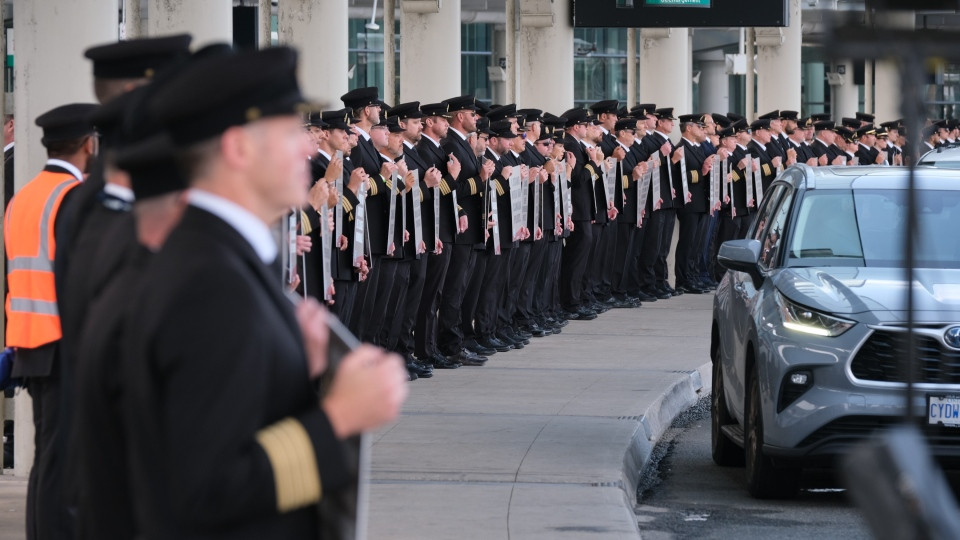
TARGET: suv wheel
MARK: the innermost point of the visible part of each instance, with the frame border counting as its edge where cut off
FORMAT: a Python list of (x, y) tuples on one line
[(725, 452), (764, 479)]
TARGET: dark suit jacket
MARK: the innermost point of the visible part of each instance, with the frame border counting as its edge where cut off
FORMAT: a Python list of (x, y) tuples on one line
[(739, 178), (499, 187), (470, 188), (652, 143), (531, 158), (821, 149), (699, 186), (219, 358), (434, 156), (767, 170), (581, 181)]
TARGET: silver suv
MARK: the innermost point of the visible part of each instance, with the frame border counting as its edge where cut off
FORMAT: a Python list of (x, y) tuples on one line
[(809, 323)]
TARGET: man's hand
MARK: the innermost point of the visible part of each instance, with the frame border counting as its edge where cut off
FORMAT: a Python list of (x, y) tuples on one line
[(357, 178), (505, 172), (438, 247), (487, 170), (304, 243), (751, 203), (538, 235), (777, 161), (333, 292), (433, 177), (570, 224), (639, 171), (406, 236), (791, 156), (550, 166), (665, 149), (707, 167), (391, 248), (312, 319), (839, 160), (619, 153), (880, 159), (677, 155), (822, 160), (387, 169), (812, 162), (612, 213), (408, 181), (453, 167), (334, 170), (402, 167), (343, 243), (744, 164), (463, 224), (318, 194), (368, 391), (422, 247)]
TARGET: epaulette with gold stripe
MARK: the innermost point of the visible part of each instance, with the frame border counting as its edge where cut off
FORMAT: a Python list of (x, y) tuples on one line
[(305, 227), (373, 187), (499, 188), (473, 186), (736, 176), (626, 182), (345, 203), (290, 452), (695, 177)]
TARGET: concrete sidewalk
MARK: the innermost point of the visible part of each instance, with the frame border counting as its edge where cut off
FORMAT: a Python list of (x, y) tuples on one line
[(546, 442)]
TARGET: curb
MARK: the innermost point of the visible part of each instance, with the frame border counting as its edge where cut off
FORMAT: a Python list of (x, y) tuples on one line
[(681, 395)]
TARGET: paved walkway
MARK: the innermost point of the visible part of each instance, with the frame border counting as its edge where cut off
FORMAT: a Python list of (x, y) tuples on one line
[(542, 443)]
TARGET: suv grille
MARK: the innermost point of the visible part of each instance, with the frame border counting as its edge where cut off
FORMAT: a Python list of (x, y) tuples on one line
[(880, 359), (854, 428)]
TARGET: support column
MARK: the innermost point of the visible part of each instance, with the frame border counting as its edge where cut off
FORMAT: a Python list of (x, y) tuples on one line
[(50, 71), (750, 112), (207, 20), (631, 67), (318, 29), (886, 72), (778, 64), (714, 85), (545, 56), (132, 20), (845, 96), (265, 18), (510, 48), (389, 52), (430, 54), (665, 62)]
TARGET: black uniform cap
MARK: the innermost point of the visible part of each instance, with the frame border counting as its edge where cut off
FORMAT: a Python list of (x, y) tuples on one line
[(734, 116), (575, 116), (502, 113), (929, 131), (213, 94), (483, 126), (805, 122), (760, 123), (152, 167), (893, 124), (435, 109), (824, 125), (882, 133), (690, 118), (941, 124), (626, 123), (866, 130), (820, 117), (531, 115), (721, 120), (740, 126), (772, 115), (137, 58), (728, 131), (502, 129), (404, 111), (608, 106), (844, 132), (865, 117), (361, 97), (789, 115), (393, 125), (66, 122), (316, 119), (644, 109), (665, 113), (850, 123), (461, 103), (337, 119), (108, 119), (622, 111)]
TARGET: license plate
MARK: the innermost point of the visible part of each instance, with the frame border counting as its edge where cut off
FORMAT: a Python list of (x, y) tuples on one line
[(943, 410)]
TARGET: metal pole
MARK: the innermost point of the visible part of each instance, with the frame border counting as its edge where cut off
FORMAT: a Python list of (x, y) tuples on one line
[(389, 51), (751, 106), (631, 67)]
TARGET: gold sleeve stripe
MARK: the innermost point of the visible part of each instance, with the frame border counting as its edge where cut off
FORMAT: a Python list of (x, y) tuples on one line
[(695, 177), (736, 176), (388, 182), (766, 169), (347, 207), (444, 187), (305, 227), (421, 195), (626, 182), (294, 463), (373, 187), (473, 186), (590, 168), (499, 188)]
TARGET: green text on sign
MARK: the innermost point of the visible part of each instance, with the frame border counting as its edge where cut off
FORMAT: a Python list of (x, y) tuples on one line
[(678, 3)]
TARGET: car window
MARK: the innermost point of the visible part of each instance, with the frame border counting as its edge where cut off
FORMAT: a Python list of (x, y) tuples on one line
[(767, 207), (826, 227), (773, 238), (882, 218)]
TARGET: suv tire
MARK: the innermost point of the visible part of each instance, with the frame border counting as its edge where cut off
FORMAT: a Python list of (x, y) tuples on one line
[(764, 479)]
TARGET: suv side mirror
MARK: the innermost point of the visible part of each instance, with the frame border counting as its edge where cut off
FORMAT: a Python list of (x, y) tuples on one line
[(742, 256)]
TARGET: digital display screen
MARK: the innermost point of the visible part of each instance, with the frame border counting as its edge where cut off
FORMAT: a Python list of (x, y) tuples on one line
[(678, 3)]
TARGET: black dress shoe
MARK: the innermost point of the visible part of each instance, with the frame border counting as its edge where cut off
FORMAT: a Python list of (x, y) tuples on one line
[(536, 330), (467, 358), (685, 289), (411, 375), (562, 322), (491, 342), (587, 314), (645, 297), (474, 347), (443, 362), (419, 370), (515, 336), (508, 339)]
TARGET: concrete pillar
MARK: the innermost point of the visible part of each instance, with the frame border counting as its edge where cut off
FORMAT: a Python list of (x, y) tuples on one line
[(50, 71), (545, 56), (750, 111), (886, 72), (778, 64), (265, 18), (132, 19), (510, 48), (665, 68), (814, 74), (631, 67), (207, 20), (498, 93), (714, 85), (389, 52), (319, 30), (430, 53), (845, 95)]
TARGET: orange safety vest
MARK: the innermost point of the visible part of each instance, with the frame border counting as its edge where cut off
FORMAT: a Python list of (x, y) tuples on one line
[(31, 305)]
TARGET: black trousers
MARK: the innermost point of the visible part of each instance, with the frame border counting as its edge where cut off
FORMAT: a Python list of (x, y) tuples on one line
[(687, 253), (511, 293), (576, 255), (372, 310), (622, 257), (631, 275), (666, 239), (343, 301), (396, 306), (471, 299), (548, 303), (491, 291), (449, 334), (731, 228), (608, 251), (591, 278), (531, 286), (401, 333), (650, 250), (47, 512), (425, 330)]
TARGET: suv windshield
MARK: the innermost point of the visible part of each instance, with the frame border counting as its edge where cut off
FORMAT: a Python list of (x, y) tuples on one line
[(867, 227)]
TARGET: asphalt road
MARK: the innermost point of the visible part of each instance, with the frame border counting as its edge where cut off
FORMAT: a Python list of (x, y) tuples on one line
[(688, 496)]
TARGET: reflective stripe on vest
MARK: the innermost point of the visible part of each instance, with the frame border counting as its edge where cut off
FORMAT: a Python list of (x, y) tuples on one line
[(31, 305)]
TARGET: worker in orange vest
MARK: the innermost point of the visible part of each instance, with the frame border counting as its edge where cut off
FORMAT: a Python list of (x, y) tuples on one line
[(33, 322)]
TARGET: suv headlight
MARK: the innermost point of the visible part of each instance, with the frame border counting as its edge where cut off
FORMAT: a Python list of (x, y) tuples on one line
[(808, 321)]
